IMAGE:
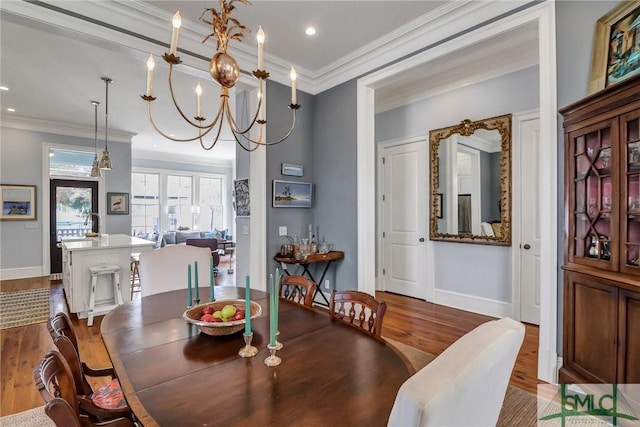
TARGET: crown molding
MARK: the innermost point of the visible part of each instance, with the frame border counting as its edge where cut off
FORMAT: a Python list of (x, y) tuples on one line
[(121, 21), (449, 20), (58, 128)]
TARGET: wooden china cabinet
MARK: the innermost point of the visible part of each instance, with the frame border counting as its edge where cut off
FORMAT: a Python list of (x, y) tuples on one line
[(602, 241)]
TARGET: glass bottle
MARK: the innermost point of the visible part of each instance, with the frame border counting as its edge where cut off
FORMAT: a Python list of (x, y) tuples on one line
[(314, 245)]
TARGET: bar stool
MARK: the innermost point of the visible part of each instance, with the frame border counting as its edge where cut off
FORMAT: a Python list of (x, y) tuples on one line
[(99, 270), (135, 274)]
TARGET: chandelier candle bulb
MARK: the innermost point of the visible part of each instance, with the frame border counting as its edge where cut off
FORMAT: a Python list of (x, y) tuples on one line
[(177, 22), (260, 38), (293, 75), (150, 66), (198, 96)]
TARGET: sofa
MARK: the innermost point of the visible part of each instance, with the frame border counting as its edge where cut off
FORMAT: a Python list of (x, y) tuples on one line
[(169, 238)]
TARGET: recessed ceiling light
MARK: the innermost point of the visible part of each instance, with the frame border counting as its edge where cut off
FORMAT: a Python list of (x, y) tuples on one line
[(172, 135), (4, 88), (11, 110), (310, 31), (155, 145)]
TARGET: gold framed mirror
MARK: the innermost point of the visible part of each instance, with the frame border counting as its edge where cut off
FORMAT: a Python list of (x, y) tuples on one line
[(471, 182)]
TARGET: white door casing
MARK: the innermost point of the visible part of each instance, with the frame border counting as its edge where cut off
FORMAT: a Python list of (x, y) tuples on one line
[(404, 213)]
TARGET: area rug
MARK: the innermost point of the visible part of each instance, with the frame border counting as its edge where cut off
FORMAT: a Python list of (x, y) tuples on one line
[(519, 407), (24, 307), (32, 418)]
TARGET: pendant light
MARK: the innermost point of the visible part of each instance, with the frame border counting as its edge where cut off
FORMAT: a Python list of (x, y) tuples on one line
[(105, 161), (95, 169)]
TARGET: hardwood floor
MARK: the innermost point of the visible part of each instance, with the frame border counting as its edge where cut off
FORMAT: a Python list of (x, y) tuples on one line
[(426, 326)]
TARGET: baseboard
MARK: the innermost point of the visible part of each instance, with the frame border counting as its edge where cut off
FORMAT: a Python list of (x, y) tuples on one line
[(472, 303), (20, 273)]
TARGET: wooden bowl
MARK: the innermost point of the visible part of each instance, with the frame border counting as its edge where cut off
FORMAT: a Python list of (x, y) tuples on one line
[(193, 315)]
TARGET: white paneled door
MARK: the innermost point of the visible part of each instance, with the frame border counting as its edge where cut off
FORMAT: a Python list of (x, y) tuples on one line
[(530, 221), (404, 168)]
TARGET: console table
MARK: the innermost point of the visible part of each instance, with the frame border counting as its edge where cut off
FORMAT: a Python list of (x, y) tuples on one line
[(327, 258)]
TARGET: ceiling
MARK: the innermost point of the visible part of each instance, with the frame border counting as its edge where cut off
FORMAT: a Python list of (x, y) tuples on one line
[(54, 53)]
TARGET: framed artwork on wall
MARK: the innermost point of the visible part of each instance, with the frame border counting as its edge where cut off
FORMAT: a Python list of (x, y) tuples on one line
[(615, 46), (117, 203), (241, 197), (292, 194), (18, 202), (291, 170)]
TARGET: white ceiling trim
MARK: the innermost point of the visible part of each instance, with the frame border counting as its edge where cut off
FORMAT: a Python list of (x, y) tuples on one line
[(433, 27), (135, 15), (58, 128)]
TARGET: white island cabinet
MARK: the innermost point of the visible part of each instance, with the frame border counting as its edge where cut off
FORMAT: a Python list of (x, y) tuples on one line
[(79, 255)]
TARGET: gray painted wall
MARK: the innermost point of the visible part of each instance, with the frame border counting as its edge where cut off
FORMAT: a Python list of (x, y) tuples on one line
[(21, 163), (335, 140), (298, 149), (487, 269)]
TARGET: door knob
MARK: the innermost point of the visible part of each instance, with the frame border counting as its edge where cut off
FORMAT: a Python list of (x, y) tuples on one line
[(527, 246), (422, 239)]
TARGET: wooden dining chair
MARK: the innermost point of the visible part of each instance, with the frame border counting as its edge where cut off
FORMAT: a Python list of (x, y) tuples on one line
[(56, 385), (297, 289), (61, 325), (105, 402), (358, 309)]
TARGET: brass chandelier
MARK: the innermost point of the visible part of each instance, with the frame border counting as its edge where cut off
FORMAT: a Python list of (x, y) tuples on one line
[(225, 71)]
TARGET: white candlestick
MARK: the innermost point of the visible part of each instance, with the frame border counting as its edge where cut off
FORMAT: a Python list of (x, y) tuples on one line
[(293, 75), (198, 95), (150, 66), (177, 22), (260, 37)]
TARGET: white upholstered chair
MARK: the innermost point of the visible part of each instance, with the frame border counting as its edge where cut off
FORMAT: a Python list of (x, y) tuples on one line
[(466, 384), (165, 269)]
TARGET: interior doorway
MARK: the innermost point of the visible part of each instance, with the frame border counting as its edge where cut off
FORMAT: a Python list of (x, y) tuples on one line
[(69, 203)]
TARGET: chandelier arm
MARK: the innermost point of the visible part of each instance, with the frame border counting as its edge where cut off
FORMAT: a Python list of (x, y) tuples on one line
[(175, 103), (153, 123), (234, 126), (248, 148), (293, 125), (215, 140)]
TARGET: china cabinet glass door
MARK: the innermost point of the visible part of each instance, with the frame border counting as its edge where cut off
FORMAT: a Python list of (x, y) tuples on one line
[(630, 203), (594, 180)]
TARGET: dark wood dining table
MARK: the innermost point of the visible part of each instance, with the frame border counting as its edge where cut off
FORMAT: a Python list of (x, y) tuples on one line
[(174, 375)]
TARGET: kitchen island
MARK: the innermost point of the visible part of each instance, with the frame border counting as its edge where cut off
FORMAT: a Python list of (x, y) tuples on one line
[(79, 254)]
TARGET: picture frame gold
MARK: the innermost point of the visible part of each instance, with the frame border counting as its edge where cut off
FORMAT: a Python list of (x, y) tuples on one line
[(610, 63), (18, 202)]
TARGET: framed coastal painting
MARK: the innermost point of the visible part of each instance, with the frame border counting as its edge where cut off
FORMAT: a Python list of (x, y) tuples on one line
[(241, 197), (117, 203), (18, 202), (616, 50), (292, 194)]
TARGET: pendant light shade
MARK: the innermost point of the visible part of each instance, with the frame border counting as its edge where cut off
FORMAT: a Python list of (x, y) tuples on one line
[(105, 160), (95, 169)]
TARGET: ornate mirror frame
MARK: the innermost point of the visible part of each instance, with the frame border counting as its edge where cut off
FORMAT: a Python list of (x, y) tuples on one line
[(466, 128)]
